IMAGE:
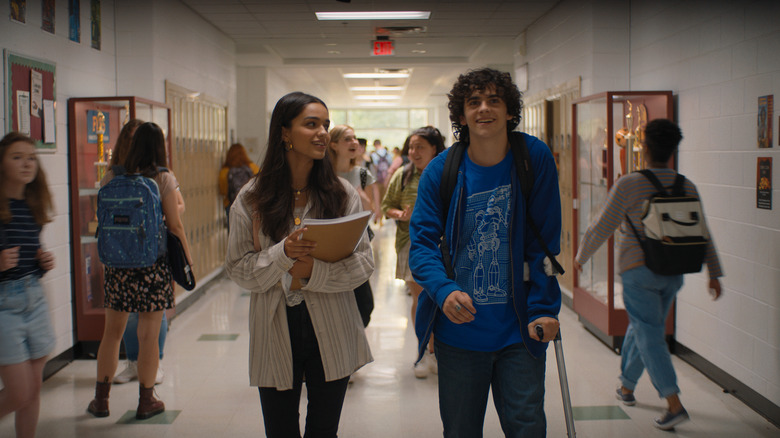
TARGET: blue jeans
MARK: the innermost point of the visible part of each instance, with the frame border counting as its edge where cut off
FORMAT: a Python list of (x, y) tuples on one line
[(648, 298), (130, 337), (517, 381)]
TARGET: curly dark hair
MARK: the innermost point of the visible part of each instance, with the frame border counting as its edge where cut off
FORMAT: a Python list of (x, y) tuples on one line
[(662, 137), (480, 80), (271, 197)]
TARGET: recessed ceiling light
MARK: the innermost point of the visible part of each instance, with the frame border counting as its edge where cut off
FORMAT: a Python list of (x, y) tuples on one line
[(378, 88), (374, 15), (334, 52), (376, 97), (376, 75), (419, 51)]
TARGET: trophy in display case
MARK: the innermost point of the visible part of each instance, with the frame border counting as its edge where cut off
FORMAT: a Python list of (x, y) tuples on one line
[(99, 125)]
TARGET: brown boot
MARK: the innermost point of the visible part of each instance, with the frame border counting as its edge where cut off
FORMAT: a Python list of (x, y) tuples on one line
[(148, 406), (99, 405)]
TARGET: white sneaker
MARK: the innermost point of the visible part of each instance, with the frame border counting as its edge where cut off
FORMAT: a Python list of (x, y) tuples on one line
[(433, 364), (422, 368), (160, 375), (128, 374)]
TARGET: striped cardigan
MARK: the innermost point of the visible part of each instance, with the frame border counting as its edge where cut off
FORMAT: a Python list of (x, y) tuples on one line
[(627, 197), (328, 296)]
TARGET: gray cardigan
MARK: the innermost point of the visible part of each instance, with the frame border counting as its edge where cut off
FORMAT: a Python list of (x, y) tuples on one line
[(328, 296)]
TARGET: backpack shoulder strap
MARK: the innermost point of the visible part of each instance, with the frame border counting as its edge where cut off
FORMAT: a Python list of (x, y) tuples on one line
[(449, 179), (406, 176), (449, 176), (525, 173), (523, 166), (363, 177), (653, 179), (678, 188)]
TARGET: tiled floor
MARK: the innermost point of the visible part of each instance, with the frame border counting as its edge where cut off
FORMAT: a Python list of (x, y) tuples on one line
[(207, 394)]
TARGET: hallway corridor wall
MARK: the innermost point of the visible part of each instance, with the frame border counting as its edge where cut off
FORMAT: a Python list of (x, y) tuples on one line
[(717, 57), (143, 44)]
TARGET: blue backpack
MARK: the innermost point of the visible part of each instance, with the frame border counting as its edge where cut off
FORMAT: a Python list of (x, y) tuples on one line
[(131, 231)]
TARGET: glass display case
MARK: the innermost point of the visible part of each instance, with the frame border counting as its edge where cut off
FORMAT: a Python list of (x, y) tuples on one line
[(607, 130), (93, 127)]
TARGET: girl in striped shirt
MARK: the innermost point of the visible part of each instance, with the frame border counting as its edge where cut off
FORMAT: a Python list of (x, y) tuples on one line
[(26, 335)]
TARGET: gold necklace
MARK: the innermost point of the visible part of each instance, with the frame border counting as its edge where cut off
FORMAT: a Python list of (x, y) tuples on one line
[(298, 192)]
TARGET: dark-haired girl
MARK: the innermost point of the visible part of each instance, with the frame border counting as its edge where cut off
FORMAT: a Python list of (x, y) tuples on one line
[(147, 291), (315, 330), (421, 147)]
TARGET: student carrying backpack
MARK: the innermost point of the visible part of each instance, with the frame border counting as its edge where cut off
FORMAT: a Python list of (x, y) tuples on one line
[(237, 177), (663, 206)]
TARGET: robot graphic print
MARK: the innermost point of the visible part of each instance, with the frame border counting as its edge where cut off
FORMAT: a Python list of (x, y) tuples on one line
[(482, 264)]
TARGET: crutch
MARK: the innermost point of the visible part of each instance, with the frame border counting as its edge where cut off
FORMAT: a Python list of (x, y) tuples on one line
[(564, 380)]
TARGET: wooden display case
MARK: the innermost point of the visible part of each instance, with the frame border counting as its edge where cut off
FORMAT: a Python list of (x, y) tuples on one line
[(92, 121), (607, 132)]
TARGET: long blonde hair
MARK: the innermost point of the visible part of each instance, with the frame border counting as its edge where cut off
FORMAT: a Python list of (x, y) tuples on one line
[(36, 193), (337, 133)]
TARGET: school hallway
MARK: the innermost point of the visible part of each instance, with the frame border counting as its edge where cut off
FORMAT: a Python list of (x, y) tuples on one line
[(206, 390)]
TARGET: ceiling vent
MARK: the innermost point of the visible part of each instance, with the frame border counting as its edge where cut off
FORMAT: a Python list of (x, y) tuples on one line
[(400, 31)]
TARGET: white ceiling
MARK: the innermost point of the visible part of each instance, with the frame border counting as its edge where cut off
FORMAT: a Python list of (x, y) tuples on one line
[(286, 37)]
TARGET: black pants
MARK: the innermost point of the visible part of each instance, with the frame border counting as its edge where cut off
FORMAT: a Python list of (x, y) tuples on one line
[(325, 399)]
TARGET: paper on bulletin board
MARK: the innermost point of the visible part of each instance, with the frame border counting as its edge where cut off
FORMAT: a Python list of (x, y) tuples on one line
[(23, 102), (36, 93), (49, 127)]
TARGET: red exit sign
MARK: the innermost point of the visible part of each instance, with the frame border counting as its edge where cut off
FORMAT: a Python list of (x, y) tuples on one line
[(382, 48)]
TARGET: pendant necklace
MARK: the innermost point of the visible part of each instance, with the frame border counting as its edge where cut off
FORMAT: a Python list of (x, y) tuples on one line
[(298, 192)]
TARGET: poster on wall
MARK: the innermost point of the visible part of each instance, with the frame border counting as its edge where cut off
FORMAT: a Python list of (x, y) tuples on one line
[(47, 15), (29, 80), (19, 11), (764, 183), (95, 23), (36, 93), (74, 21), (765, 107)]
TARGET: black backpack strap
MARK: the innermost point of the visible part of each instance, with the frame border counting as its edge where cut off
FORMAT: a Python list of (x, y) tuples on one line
[(677, 188), (449, 176), (449, 179), (407, 174), (525, 173), (363, 177)]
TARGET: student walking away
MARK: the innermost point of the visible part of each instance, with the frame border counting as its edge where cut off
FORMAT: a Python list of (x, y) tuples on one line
[(421, 147), (483, 313), (130, 337), (382, 160), (139, 280), (26, 334), (344, 151), (236, 171), (314, 333), (648, 295)]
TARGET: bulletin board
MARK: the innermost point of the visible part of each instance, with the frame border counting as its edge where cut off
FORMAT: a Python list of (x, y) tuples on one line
[(19, 72)]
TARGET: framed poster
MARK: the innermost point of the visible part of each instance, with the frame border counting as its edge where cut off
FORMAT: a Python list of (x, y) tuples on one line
[(74, 21), (764, 183), (29, 79), (19, 11), (95, 23), (47, 15), (765, 109)]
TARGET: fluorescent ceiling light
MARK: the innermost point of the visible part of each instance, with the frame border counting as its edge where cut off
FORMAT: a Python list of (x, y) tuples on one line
[(379, 104), (374, 15), (376, 75), (378, 88), (376, 97)]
